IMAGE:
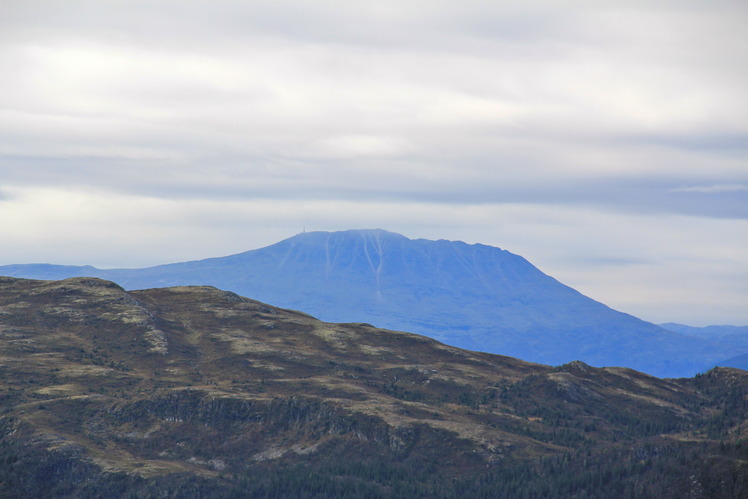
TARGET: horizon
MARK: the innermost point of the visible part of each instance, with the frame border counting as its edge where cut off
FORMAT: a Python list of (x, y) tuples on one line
[(605, 143), (304, 232)]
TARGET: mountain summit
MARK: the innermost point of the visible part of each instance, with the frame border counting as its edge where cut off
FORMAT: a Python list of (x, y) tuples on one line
[(472, 296)]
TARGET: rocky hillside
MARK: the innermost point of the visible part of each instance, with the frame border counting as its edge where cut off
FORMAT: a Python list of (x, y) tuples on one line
[(197, 392)]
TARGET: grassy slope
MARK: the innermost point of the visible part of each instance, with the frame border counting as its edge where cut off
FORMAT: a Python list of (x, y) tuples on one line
[(167, 391)]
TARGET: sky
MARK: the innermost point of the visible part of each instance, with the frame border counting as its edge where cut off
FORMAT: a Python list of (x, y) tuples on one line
[(604, 141)]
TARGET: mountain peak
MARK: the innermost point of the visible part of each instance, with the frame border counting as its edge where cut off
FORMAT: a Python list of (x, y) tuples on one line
[(351, 233), (381, 235)]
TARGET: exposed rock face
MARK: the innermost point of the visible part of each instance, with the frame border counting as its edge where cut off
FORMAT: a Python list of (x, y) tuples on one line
[(197, 392)]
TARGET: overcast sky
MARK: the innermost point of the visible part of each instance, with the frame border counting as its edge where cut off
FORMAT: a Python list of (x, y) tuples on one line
[(604, 141)]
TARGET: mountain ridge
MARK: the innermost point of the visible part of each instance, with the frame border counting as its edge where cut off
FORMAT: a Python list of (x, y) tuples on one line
[(472, 296), (732, 338)]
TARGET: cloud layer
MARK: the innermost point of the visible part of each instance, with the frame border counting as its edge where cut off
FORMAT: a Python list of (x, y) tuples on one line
[(606, 143)]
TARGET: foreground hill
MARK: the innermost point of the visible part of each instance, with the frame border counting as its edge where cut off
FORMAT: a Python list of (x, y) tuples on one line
[(197, 392), (472, 296)]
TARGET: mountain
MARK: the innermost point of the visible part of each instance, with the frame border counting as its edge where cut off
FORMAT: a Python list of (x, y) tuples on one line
[(472, 296), (731, 339), (739, 361), (197, 392), (733, 336)]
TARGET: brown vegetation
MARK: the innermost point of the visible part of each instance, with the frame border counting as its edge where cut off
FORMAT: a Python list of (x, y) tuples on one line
[(167, 390)]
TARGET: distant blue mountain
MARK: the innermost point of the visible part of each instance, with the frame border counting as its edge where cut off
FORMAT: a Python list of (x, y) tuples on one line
[(472, 296), (737, 333), (740, 362), (732, 339)]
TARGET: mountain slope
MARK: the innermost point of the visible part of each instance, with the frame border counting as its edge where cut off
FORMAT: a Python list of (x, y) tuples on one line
[(739, 361), (734, 337), (197, 392), (731, 339), (471, 296), (707, 331)]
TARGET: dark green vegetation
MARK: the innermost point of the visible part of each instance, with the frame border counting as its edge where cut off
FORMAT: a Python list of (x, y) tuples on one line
[(196, 392)]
